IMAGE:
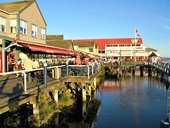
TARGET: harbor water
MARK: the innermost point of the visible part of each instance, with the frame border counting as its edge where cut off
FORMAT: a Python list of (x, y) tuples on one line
[(132, 102)]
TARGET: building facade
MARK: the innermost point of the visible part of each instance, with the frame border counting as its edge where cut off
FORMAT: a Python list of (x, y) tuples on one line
[(20, 22), (88, 47), (120, 48)]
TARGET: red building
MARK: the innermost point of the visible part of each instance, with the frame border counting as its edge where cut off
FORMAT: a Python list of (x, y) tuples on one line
[(126, 48)]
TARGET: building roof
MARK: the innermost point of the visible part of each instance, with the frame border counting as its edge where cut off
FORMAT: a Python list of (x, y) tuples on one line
[(12, 7), (58, 41), (84, 44), (148, 49), (152, 54), (103, 42), (55, 37), (66, 44)]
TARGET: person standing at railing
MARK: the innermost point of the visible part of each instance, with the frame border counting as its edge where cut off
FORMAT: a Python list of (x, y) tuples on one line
[(35, 64), (28, 66), (19, 66)]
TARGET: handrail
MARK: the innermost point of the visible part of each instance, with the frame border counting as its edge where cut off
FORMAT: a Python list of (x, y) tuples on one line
[(89, 71)]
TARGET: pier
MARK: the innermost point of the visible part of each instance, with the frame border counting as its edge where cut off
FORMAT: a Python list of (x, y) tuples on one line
[(16, 91)]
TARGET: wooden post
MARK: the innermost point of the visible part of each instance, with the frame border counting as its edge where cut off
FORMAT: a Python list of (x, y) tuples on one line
[(58, 73), (89, 90), (84, 109), (95, 83), (35, 102), (56, 120), (94, 94), (141, 70), (83, 92), (55, 95), (53, 73), (149, 71)]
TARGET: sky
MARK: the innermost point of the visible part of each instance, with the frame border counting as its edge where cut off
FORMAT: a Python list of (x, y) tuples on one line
[(91, 19)]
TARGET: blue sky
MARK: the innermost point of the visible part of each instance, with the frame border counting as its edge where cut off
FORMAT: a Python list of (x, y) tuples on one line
[(77, 19)]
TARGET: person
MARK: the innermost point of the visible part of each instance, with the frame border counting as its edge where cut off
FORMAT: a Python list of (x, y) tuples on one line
[(19, 66), (35, 64), (28, 63), (11, 61)]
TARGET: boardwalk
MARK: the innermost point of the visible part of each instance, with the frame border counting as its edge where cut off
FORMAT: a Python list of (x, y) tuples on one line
[(15, 91)]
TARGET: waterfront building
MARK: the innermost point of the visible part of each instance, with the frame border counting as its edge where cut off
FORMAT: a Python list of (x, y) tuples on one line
[(59, 42), (124, 49), (23, 32), (89, 47), (20, 22)]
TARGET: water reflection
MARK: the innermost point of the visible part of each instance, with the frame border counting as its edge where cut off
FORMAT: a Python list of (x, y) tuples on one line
[(133, 102)]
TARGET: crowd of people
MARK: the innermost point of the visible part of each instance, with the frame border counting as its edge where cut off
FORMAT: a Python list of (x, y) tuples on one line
[(28, 62)]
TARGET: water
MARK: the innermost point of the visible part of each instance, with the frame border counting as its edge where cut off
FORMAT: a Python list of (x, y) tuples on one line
[(133, 102)]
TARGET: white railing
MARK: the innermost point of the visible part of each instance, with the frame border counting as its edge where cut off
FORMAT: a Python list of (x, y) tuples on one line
[(164, 67), (57, 72)]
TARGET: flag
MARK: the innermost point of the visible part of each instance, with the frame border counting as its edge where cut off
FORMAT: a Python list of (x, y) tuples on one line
[(137, 32)]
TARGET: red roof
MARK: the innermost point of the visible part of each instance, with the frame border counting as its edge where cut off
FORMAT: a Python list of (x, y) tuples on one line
[(102, 42)]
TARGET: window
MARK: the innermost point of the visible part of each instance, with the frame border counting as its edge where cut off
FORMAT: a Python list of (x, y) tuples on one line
[(2, 24), (23, 27), (34, 31), (101, 51), (13, 24), (43, 34), (90, 49)]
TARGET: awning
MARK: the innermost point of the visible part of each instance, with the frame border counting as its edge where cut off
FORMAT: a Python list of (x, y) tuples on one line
[(47, 49)]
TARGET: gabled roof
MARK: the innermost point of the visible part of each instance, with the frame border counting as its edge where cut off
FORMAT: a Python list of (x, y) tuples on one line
[(18, 7), (12, 7), (102, 42), (152, 54)]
